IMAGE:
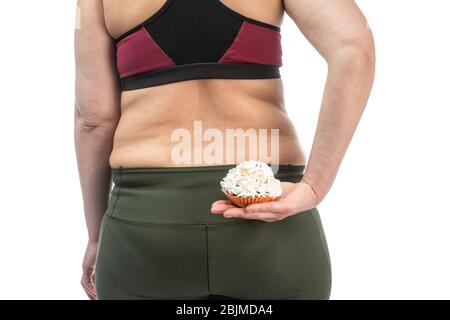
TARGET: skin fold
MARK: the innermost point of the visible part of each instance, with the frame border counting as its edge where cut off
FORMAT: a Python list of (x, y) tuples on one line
[(133, 129)]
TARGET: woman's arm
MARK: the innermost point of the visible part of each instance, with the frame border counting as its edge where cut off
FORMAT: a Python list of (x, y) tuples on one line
[(96, 115), (340, 33)]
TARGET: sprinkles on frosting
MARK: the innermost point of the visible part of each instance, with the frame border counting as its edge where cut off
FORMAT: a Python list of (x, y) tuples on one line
[(251, 179)]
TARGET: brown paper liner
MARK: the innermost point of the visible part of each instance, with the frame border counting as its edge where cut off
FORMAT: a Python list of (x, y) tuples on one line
[(245, 201)]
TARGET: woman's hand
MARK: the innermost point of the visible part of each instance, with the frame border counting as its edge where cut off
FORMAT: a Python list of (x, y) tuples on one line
[(295, 198), (87, 279)]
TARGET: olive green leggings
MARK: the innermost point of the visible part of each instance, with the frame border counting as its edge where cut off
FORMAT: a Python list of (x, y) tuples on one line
[(159, 240)]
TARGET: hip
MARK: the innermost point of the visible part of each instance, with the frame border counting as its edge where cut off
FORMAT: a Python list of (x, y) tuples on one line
[(159, 240)]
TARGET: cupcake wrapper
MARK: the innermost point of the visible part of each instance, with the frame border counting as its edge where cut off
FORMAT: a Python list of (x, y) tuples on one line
[(245, 201)]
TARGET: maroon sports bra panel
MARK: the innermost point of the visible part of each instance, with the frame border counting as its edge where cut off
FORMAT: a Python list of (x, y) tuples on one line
[(139, 53), (255, 44)]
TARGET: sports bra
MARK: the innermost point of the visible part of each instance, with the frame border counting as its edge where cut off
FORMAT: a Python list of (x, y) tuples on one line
[(197, 39)]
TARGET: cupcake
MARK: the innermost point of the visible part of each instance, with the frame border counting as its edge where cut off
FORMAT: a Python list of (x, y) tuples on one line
[(250, 182)]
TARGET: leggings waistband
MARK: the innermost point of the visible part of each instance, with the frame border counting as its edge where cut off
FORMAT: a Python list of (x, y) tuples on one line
[(155, 175), (175, 195)]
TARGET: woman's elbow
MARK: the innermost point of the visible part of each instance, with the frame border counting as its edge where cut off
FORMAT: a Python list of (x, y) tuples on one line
[(91, 119), (354, 52)]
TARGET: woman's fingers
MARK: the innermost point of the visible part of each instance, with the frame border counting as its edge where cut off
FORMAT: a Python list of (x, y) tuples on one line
[(220, 206), (268, 211), (87, 283), (263, 216), (87, 278), (279, 206), (221, 202), (234, 212)]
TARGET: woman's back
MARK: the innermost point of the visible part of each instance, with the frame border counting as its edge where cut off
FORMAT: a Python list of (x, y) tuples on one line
[(200, 86), (153, 118)]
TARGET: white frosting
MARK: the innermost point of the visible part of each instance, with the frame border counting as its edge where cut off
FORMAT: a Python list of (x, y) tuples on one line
[(251, 178)]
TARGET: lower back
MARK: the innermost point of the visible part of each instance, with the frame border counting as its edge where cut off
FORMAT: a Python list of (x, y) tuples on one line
[(205, 122)]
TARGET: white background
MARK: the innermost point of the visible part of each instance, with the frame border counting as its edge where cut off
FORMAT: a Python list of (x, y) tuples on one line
[(386, 219)]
